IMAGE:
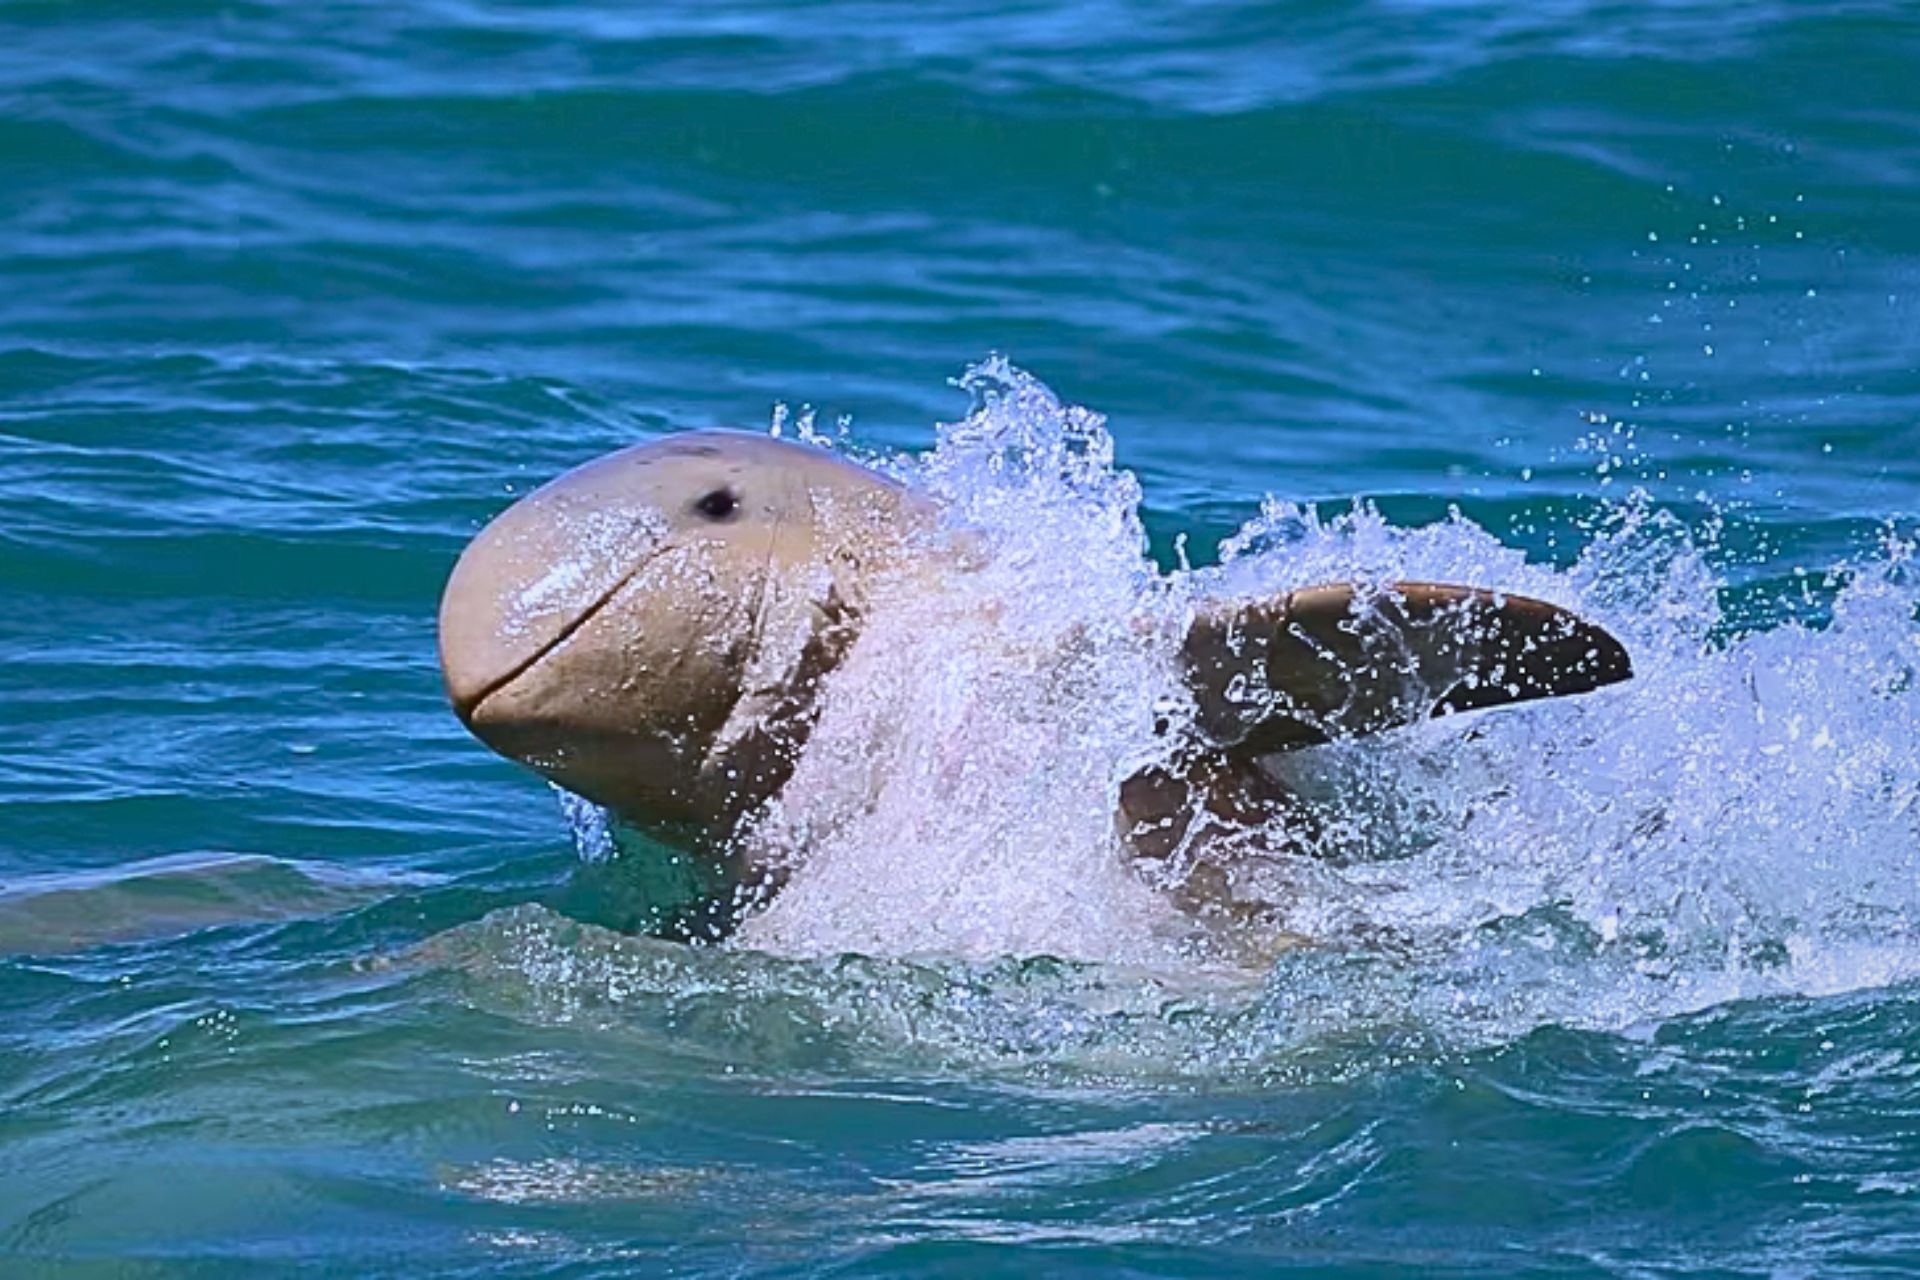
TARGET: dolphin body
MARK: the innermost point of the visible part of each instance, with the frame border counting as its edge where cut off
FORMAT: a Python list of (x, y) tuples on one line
[(652, 631)]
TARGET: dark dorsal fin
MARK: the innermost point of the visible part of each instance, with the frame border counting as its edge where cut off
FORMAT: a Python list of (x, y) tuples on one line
[(1340, 660)]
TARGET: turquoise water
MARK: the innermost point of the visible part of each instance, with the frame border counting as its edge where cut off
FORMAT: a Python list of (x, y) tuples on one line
[(1614, 302)]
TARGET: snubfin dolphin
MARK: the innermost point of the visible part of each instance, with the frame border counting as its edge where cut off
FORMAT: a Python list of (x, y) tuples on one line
[(652, 630)]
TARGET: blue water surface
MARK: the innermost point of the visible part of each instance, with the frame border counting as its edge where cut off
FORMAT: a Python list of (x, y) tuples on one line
[(296, 978)]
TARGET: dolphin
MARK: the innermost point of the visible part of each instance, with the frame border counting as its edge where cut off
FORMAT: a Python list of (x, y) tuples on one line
[(653, 630)]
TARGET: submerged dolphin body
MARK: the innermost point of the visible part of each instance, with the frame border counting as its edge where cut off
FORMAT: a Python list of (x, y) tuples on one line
[(653, 631)]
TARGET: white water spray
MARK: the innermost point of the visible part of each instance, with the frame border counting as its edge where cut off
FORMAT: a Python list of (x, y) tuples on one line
[(1741, 818)]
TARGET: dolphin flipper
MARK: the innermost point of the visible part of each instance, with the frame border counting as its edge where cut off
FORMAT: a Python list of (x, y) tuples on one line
[(1331, 662), (1341, 660)]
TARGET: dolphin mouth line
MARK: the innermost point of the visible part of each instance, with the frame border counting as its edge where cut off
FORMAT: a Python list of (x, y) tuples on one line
[(471, 708)]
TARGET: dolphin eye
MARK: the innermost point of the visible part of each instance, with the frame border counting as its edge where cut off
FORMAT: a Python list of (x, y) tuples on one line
[(718, 505)]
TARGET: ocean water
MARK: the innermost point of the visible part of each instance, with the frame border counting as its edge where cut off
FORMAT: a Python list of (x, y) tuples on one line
[(1616, 303)]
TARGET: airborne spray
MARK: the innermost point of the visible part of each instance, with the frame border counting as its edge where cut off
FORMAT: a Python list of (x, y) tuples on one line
[(1740, 819)]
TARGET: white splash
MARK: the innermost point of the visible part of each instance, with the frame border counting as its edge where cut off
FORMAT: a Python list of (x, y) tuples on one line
[(1742, 818), (958, 793)]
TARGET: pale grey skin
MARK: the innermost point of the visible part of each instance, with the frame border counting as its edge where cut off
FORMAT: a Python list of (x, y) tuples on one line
[(651, 631)]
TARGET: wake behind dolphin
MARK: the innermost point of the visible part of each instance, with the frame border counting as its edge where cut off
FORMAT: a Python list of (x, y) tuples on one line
[(955, 789)]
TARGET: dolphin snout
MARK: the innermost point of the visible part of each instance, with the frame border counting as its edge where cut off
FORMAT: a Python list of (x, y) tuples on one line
[(532, 579)]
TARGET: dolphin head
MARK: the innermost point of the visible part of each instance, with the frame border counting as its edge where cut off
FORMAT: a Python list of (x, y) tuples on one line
[(648, 629)]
